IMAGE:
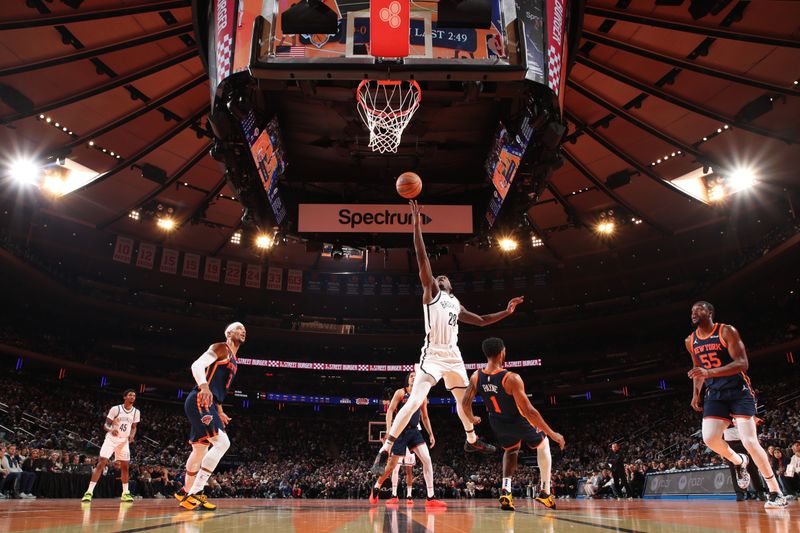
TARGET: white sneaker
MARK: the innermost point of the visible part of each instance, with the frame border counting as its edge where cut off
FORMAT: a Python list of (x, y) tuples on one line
[(742, 476), (775, 501)]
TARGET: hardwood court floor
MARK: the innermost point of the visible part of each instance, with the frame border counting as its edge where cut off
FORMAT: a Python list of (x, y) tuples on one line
[(328, 516)]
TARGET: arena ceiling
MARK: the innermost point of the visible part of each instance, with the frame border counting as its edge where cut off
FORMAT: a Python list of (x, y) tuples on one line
[(658, 89)]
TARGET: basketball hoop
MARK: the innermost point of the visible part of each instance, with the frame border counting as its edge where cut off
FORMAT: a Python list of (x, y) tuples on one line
[(386, 107)]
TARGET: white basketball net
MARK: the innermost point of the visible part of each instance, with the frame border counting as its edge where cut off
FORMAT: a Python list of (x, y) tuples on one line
[(386, 107)]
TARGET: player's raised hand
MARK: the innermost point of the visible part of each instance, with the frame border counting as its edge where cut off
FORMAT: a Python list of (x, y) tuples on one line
[(558, 438), (415, 211), (514, 302)]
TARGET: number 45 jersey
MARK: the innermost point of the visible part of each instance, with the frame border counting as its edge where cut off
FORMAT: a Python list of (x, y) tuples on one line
[(122, 420)]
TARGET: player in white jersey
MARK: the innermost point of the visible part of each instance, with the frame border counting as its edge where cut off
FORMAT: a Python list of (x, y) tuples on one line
[(120, 427), (441, 358)]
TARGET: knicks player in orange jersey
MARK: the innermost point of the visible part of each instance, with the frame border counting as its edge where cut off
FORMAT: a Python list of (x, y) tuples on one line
[(440, 358), (720, 364)]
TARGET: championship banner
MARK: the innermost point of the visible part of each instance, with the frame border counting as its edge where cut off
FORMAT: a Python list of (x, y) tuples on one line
[(294, 280), (714, 482), (146, 257), (382, 218), (123, 251), (212, 270), (252, 276), (342, 367), (169, 261), (233, 272), (274, 278), (191, 265)]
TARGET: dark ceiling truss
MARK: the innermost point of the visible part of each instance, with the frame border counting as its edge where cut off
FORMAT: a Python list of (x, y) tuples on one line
[(705, 31), (153, 104), (153, 145), (98, 51), (688, 65), (572, 214), (187, 166), (681, 102), (620, 153), (580, 167), (81, 16), (199, 211), (99, 89), (625, 115), (545, 237)]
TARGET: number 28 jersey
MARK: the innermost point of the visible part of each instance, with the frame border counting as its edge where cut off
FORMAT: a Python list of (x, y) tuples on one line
[(122, 420), (441, 321)]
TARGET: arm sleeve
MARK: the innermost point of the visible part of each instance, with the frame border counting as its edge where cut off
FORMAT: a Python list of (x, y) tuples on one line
[(199, 366)]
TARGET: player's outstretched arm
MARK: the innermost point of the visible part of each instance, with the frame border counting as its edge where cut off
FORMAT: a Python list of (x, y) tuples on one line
[(468, 317), (426, 421), (469, 396), (430, 290), (516, 388), (728, 335)]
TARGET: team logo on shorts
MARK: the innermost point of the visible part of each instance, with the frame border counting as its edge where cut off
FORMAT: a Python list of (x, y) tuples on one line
[(206, 420)]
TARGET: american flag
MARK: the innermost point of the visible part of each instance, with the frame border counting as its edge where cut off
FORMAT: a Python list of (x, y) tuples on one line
[(290, 51)]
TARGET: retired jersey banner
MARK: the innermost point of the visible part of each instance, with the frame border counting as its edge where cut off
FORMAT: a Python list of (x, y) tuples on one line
[(169, 261), (212, 270), (294, 280), (382, 218), (146, 257), (191, 265), (233, 272), (252, 276), (123, 251), (274, 279)]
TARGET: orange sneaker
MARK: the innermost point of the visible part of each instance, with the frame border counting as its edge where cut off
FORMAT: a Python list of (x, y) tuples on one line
[(394, 501), (435, 504), (409, 502), (373, 495)]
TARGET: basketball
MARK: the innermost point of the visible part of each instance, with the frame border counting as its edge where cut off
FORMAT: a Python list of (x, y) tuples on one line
[(408, 185)]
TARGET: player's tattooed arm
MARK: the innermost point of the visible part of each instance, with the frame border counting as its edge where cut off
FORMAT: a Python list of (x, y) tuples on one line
[(469, 397), (516, 387), (697, 381), (468, 317), (429, 288)]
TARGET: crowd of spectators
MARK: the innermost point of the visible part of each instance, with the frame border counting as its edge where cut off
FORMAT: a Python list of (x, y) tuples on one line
[(57, 428)]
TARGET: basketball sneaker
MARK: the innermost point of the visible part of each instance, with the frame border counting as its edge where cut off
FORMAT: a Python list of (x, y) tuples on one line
[(479, 445), (380, 463), (373, 495), (775, 500), (180, 494), (548, 500), (126, 497), (197, 502), (433, 503), (742, 477), (506, 501), (393, 501), (409, 502), (87, 497)]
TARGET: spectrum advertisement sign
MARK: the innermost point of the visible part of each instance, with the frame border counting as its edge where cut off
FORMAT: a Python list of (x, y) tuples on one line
[(382, 218)]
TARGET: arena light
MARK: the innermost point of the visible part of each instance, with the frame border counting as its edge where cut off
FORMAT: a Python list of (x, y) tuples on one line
[(54, 185), (166, 223), (507, 244), (536, 242), (742, 178), (716, 193), (605, 227), (236, 238), (264, 241), (24, 171), (134, 215)]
